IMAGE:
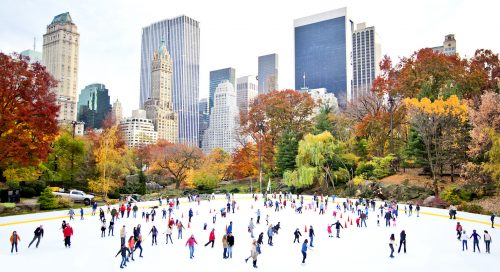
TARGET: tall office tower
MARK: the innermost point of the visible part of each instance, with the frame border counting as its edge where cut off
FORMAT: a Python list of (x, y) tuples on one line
[(366, 57), (221, 132), (182, 39), (216, 77), (93, 105), (60, 56), (35, 56), (117, 112), (159, 105), (449, 46), (246, 91), (203, 119), (138, 130), (323, 45), (268, 73)]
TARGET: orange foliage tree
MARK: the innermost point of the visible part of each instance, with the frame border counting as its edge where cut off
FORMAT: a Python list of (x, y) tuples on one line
[(28, 112)]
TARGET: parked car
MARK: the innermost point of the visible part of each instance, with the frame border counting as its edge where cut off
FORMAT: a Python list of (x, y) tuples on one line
[(76, 196)]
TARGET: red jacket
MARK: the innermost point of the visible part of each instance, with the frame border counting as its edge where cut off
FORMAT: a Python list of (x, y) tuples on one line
[(68, 231), (122, 208), (212, 236), (459, 228)]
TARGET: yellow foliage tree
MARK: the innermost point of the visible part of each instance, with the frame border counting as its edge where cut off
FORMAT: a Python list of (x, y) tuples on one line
[(214, 169)]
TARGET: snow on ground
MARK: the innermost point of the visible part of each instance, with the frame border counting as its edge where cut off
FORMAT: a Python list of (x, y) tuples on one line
[(431, 242)]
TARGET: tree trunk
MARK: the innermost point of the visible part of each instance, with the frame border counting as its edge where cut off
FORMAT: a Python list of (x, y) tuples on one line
[(452, 172)]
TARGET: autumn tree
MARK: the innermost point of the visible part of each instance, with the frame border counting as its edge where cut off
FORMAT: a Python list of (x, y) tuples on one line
[(175, 159), (28, 112), (215, 168), (245, 162), (441, 126), (113, 159)]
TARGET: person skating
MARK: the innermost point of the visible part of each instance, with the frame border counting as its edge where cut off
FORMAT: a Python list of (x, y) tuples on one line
[(81, 213), (103, 228), (211, 238), (38, 236), (387, 217), (458, 228), (14, 240), (304, 251), (101, 214), (225, 245), (475, 242), (122, 210), (338, 225), (230, 227), (123, 234), (329, 230), (114, 213), (258, 216), (71, 214), (63, 225), (154, 234), (134, 211), (492, 218), (363, 217), (402, 241), (392, 241), (131, 247), (190, 214), (68, 232), (123, 251), (138, 244), (487, 241), (111, 228), (251, 227), (311, 235), (297, 234), (270, 234), (169, 234), (230, 242), (190, 242), (94, 208), (180, 227), (464, 240), (253, 253), (417, 208), (260, 240)]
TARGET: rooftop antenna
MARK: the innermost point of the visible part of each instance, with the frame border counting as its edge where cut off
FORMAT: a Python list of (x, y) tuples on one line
[(34, 43), (304, 78)]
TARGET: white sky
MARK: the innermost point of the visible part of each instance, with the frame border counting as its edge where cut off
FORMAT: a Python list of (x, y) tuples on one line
[(235, 32)]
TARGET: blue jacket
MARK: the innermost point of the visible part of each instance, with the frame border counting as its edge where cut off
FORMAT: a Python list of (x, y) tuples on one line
[(304, 247), (230, 228)]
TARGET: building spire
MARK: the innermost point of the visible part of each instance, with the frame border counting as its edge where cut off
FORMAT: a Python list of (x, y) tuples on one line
[(34, 43)]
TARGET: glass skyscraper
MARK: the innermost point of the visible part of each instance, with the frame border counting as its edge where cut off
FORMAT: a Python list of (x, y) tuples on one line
[(93, 105), (182, 39), (203, 120), (217, 77), (268, 73), (323, 53)]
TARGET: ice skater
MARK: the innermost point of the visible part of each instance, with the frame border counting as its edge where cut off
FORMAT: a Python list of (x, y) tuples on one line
[(169, 233), (68, 232), (475, 242), (131, 247), (311, 235), (224, 246), (254, 253), (123, 251), (304, 251), (38, 236), (487, 241), (402, 241), (392, 241), (14, 240), (270, 234), (464, 241), (111, 228), (154, 233), (338, 225), (180, 227), (230, 242), (103, 229), (258, 216), (138, 244), (71, 214), (190, 242), (211, 238), (458, 228), (123, 234), (492, 218), (297, 234), (251, 227)]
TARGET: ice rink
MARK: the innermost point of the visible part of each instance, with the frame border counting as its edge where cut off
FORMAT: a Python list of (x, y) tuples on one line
[(431, 241)]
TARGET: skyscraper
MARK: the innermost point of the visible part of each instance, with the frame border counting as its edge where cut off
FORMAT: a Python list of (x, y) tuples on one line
[(93, 105), (159, 105), (117, 112), (60, 56), (182, 40), (203, 118), (323, 45), (216, 77), (366, 57), (246, 91), (221, 132), (268, 73), (449, 46)]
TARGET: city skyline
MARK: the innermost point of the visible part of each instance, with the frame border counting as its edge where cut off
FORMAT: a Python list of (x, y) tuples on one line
[(402, 30)]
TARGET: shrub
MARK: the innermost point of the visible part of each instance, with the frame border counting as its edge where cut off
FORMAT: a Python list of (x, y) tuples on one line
[(235, 190), (377, 168), (28, 192), (64, 202), (358, 180), (472, 208), (47, 200), (366, 169), (451, 194)]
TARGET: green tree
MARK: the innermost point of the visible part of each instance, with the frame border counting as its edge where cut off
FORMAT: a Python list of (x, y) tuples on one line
[(287, 150), (47, 199), (323, 120)]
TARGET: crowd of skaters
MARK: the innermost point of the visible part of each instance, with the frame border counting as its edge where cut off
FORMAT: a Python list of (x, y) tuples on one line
[(359, 208)]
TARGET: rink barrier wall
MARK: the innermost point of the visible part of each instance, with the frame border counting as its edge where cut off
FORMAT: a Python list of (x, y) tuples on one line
[(244, 197)]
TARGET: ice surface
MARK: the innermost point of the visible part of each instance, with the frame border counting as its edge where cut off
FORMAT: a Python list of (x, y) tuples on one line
[(431, 242)]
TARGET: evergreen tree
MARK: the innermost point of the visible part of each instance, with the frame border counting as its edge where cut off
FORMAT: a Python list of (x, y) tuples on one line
[(287, 150), (323, 121), (47, 199)]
